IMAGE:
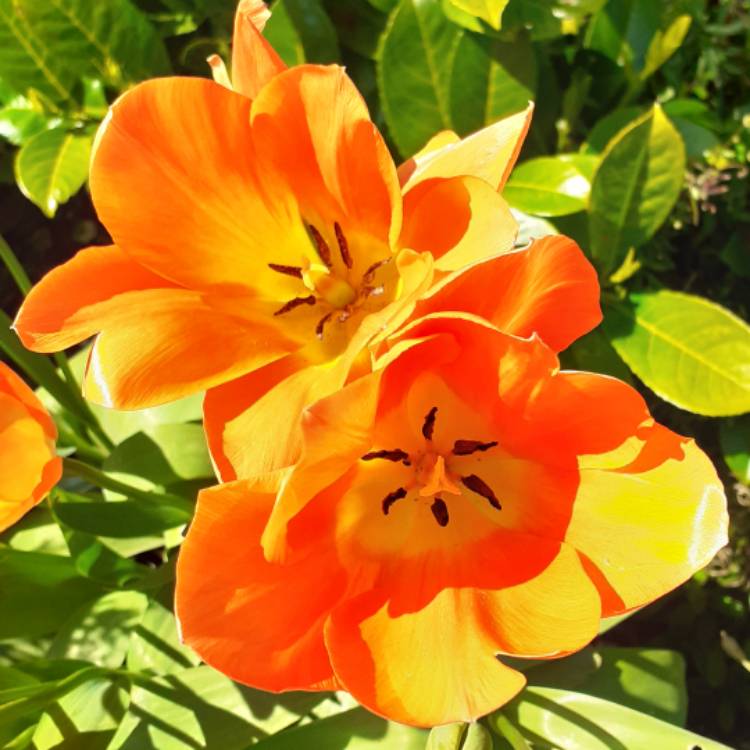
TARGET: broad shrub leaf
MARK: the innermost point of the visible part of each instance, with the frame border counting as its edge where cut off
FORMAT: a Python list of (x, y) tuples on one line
[(688, 350), (301, 31), (490, 11)]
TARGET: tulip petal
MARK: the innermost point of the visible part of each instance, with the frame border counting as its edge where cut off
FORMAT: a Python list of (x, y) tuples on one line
[(433, 662), (489, 154), (172, 344), (175, 180), (459, 220), (254, 61), (549, 289), (331, 154), (259, 623), (648, 516), (75, 300)]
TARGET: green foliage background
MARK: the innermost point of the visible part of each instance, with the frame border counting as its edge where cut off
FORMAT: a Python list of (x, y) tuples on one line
[(638, 150)]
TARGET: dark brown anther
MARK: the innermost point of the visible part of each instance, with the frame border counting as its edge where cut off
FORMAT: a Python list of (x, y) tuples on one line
[(321, 246), (391, 498), (440, 511), (346, 256), (394, 455), (475, 484), (428, 428), (369, 274), (322, 324), (294, 303), (467, 447), (295, 271)]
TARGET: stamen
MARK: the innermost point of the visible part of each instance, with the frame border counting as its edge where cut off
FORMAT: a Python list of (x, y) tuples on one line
[(295, 271), (475, 484), (294, 303), (467, 447), (391, 498), (428, 428), (440, 511), (322, 324), (321, 246), (369, 274), (373, 291), (346, 256), (394, 455)]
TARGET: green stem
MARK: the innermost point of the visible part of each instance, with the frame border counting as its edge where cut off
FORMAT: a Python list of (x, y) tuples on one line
[(14, 267), (74, 468)]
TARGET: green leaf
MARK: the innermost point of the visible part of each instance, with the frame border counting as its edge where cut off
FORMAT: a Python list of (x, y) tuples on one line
[(637, 183), (414, 69), (111, 40), (688, 350), (356, 729), (664, 44), (551, 185), (446, 737), (608, 127), (567, 720), (37, 531), (301, 31), (100, 631), (52, 166), (594, 353), (542, 18), (648, 680), (200, 708), (734, 435), (490, 11), (155, 645), (19, 123), (84, 719), (38, 592), (491, 79), (359, 25), (26, 62)]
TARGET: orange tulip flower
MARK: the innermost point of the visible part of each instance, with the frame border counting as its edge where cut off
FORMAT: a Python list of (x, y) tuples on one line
[(255, 229), (464, 501), (29, 467)]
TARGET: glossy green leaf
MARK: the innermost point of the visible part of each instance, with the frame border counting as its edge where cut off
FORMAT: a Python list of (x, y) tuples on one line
[(490, 11), (112, 40), (100, 631), (551, 185), (301, 31), (637, 183), (594, 353), (491, 79), (648, 680), (52, 166), (37, 531), (688, 350), (414, 70), (664, 44), (19, 123), (155, 644), (359, 26), (735, 445), (531, 227), (38, 592), (200, 708), (355, 729), (608, 127), (541, 18), (567, 720)]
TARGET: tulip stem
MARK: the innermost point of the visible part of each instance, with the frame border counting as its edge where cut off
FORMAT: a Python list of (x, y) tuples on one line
[(81, 470), (15, 269)]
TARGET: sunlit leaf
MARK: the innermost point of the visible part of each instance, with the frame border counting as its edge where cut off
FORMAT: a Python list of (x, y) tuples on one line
[(665, 43), (688, 350), (635, 186), (570, 721), (490, 11), (551, 185), (52, 166)]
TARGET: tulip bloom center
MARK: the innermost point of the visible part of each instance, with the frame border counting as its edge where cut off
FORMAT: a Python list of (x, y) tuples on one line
[(435, 476), (331, 282)]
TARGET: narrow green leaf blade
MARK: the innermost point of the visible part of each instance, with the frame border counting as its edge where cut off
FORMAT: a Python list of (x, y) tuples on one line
[(52, 166), (688, 350)]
